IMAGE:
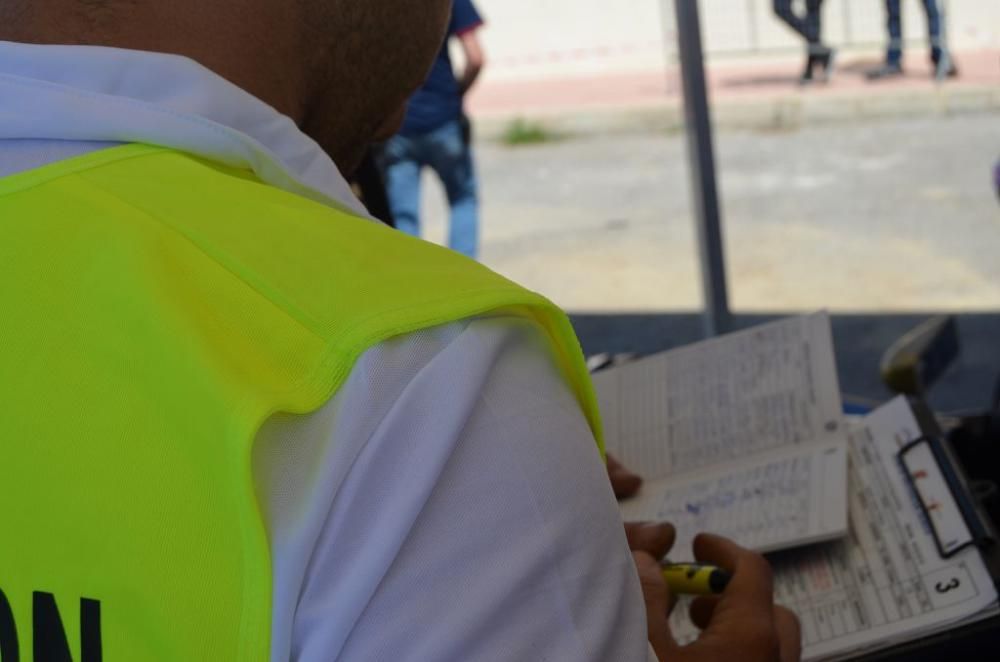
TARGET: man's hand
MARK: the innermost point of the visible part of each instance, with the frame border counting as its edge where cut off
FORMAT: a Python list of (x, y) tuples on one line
[(475, 60), (654, 539), (741, 624), (623, 482)]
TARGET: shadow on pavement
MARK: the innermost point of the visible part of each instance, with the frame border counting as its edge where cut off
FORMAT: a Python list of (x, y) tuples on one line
[(860, 341)]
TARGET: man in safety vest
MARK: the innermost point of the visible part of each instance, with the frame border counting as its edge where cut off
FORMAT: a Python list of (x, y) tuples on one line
[(242, 421)]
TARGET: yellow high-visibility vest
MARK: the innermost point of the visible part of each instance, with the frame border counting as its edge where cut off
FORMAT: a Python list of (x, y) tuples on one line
[(157, 309)]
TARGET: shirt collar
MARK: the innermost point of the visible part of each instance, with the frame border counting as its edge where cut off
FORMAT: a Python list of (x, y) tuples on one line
[(95, 93)]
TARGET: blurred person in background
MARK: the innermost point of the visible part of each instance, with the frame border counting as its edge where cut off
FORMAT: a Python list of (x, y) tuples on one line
[(818, 56), (368, 182), (437, 134), (941, 60)]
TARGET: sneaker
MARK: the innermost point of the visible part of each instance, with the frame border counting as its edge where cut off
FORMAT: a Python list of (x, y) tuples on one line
[(807, 74), (826, 61), (945, 68), (822, 57), (887, 70)]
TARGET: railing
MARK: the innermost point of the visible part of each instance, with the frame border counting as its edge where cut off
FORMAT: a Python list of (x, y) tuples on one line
[(738, 27)]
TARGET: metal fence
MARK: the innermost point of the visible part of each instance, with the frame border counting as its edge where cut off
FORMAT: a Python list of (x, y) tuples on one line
[(564, 38), (737, 27)]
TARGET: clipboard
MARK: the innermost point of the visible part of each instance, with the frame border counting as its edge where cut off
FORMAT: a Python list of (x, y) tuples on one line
[(968, 640), (941, 491)]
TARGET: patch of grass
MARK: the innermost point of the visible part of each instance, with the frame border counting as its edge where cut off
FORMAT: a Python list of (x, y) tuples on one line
[(526, 132), (674, 128)]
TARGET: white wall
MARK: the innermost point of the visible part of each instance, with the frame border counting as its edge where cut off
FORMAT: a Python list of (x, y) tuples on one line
[(531, 38), (554, 38)]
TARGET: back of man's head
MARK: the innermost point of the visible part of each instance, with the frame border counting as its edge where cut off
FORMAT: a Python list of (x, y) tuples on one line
[(342, 69)]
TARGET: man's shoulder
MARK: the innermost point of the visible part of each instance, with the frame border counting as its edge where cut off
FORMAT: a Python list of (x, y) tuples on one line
[(303, 256)]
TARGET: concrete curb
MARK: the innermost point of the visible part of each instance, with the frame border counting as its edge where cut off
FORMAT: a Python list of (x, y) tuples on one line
[(780, 113)]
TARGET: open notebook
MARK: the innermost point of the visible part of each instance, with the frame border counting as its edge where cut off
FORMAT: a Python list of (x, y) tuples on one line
[(742, 436)]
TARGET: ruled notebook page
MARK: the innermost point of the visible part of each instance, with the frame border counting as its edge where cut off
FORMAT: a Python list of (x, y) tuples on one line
[(730, 435), (780, 499)]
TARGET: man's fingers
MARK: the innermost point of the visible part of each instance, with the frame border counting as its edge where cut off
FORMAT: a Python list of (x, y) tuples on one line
[(656, 595), (623, 482), (744, 612), (752, 586), (702, 609), (718, 550), (789, 631), (654, 539), (655, 592)]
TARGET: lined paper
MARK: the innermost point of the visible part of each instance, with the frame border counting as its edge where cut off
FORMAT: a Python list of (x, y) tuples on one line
[(742, 436), (768, 387), (777, 500)]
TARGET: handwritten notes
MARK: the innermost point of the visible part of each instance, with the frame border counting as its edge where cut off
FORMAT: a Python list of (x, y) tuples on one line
[(778, 500), (741, 436), (768, 387), (885, 582)]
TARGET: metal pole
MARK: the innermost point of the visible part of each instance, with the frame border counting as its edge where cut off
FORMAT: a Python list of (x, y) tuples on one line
[(702, 157)]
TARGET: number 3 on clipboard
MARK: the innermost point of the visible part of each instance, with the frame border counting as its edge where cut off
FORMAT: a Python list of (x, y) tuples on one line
[(949, 586)]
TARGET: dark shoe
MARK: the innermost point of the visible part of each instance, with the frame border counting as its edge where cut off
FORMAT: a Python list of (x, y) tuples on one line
[(820, 57), (887, 70), (807, 74), (945, 68), (825, 61)]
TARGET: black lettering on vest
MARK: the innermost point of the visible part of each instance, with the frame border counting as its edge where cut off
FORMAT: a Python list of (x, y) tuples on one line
[(9, 650), (50, 635), (90, 630)]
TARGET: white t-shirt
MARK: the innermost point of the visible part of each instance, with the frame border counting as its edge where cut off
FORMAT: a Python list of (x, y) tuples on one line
[(449, 502)]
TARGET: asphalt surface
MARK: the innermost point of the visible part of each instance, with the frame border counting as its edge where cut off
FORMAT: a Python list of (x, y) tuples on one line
[(881, 222)]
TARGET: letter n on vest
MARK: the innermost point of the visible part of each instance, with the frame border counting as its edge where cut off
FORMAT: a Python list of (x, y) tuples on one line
[(50, 644)]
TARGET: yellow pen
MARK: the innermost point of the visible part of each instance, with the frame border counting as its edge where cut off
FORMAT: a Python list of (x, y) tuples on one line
[(695, 578)]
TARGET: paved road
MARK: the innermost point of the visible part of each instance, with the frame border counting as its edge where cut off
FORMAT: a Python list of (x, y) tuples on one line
[(883, 216)]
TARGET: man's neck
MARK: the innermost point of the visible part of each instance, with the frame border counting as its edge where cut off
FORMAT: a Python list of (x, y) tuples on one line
[(207, 33)]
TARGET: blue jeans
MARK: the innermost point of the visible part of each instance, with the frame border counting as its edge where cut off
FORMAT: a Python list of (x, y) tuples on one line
[(895, 24), (446, 152), (808, 26)]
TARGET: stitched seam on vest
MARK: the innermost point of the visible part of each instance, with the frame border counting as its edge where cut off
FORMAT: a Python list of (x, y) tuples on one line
[(253, 529), (510, 297), (224, 262), (569, 358), (370, 332), (331, 372), (30, 179)]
